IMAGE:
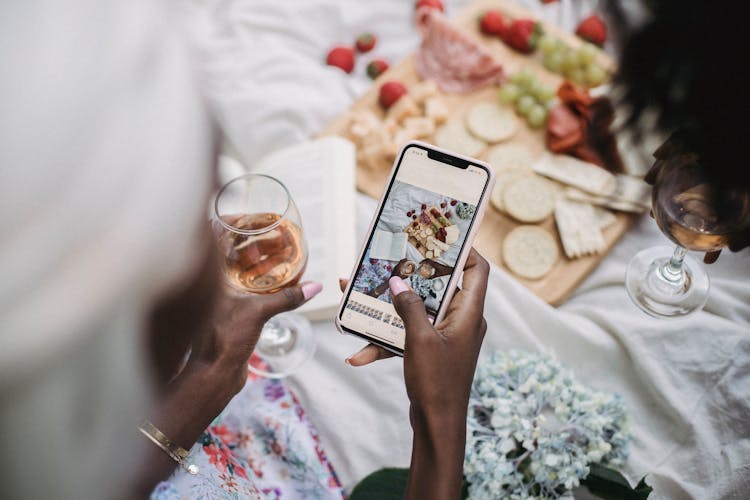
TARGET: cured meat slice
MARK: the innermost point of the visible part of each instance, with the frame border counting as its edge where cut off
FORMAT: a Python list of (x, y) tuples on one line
[(581, 126), (457, 63)]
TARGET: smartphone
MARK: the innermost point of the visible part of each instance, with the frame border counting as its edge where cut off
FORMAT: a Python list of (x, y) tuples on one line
[(422, 231)]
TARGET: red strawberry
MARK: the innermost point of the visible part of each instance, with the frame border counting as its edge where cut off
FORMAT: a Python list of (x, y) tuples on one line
[(376, 68), (593, 29), (424, 207), (548, 1), (433, 4), (365, 42), (341, 57), (492, 23), (390, 92), (523, 35)]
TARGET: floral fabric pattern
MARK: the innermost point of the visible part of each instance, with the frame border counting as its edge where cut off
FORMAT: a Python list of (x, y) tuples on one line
[(261, 444)]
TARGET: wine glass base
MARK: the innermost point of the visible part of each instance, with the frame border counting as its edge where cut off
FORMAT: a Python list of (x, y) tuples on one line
[(660, 297), (285, 344)]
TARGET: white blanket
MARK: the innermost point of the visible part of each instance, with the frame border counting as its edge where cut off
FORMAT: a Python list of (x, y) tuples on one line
[(686, 382)]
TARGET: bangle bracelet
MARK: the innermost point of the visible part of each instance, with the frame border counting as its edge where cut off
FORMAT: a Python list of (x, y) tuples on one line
[(175, 451)]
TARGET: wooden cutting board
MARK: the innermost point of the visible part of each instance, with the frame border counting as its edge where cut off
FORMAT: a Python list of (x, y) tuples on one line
[(567, 274)]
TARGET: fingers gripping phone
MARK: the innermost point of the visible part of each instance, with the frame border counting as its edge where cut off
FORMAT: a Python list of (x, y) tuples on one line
[(422, 232)]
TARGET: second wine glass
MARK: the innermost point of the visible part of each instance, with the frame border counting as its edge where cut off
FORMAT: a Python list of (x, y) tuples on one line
[(261, 240), (696, 213)]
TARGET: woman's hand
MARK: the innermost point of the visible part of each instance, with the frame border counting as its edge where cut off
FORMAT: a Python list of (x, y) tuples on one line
[(238, 320), (215, 372), (439, 361), (439, 364)]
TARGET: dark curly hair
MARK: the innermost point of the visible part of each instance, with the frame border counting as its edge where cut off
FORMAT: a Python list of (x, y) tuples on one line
[(689, 62)]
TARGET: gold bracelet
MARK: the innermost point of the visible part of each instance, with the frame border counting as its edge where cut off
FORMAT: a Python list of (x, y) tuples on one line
[(175, 451)]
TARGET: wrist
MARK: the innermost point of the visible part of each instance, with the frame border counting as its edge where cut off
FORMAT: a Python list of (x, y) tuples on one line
[(433, 422), (224, 376)]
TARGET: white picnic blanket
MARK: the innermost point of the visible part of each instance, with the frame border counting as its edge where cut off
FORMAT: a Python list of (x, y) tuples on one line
[(686, 382)]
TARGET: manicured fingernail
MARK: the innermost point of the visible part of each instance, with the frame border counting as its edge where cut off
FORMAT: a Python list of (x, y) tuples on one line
[(348, 361), (342, 282), (397, 285), (310, 290)]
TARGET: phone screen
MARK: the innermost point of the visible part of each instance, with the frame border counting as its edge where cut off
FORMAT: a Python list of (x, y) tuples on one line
[(429, 209)]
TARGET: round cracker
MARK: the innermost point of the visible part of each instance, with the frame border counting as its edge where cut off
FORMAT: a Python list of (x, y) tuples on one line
[(502, 180), (529, 198), (491, 122), (530, 252), (453, 136), (510, 157)]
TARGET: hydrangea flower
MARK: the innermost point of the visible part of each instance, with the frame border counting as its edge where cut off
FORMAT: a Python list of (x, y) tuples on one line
[(532, 429)]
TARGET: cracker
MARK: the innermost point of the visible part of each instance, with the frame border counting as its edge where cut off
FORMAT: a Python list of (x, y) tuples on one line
[(604, 217), (529, 199), (453, 136), (502, 180), (530, 252), (577, 173), (579, 228), (510, 157), (491, 122)]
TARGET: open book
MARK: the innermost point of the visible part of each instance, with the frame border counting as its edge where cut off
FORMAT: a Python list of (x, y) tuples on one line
[(388, 246), (320, 176)]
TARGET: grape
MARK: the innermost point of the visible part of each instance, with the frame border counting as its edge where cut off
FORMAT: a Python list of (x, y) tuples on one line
[(553, 61), (525, 77), (548, 94), (535, 89), (509, 93), (576, 75), (569, 61), (587, 53), (537, 116), (594, 75), (547, 44), (524, 104)]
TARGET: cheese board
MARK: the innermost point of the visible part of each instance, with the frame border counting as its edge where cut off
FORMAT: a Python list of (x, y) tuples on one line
[(566, 274)]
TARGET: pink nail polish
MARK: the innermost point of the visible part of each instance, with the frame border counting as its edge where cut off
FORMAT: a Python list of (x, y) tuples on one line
[(310, 290), (397, 285), (348, 361)]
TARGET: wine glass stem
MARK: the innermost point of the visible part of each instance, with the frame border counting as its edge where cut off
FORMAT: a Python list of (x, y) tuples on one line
[(672, 270), (276, 339)]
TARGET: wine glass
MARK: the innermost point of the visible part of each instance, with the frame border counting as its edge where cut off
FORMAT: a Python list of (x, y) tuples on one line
[(260, 237), (696, 213)]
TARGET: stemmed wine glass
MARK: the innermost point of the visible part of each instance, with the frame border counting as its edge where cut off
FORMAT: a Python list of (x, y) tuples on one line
[(260, 237), (696, 213)]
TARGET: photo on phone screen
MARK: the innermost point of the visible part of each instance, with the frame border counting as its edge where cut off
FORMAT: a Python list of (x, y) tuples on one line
[(419, 235)]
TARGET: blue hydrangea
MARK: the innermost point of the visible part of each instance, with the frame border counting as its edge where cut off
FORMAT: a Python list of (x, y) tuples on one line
[(533, 430)]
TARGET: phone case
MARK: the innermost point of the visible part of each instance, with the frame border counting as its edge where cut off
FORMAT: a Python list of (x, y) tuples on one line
[(460, 263)]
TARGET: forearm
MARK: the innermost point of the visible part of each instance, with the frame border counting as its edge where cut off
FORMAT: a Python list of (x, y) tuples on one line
[(436, 470), (187, 408)]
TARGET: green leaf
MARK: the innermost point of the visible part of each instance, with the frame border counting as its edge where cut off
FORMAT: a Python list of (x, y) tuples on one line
[(384, 484), (609, 484)]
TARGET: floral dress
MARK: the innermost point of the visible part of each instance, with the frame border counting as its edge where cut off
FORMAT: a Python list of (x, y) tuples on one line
[(262, 444)]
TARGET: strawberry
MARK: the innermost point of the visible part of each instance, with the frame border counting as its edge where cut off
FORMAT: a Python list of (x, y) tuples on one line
[(492, 23), (593, 29), (548, 1), (433, 4), (376, 68), (341, 57), (390, 92), (365, 42), (523, 35)]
